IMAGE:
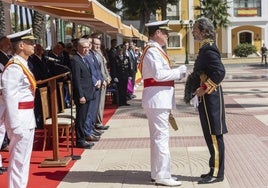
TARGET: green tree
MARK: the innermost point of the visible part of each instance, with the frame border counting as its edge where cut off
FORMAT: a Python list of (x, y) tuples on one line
[(143, 9), (139, 9), (16, 18), (110, 4), (216, 10), (39, 23)]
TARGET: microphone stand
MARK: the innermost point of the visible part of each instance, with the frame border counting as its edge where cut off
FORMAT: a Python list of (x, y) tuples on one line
[(73, 157)]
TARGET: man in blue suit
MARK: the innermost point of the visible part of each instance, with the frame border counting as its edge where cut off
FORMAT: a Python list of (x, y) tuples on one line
[(91, 133)]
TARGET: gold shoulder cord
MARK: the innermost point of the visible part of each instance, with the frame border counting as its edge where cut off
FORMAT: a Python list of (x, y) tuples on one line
[(25, 71)]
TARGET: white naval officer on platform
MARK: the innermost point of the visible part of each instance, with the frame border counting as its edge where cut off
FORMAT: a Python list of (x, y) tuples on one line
[(158, 98), (18, 92)]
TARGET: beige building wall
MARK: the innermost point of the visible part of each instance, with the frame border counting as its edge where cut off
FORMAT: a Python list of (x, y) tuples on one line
[(227, 39)]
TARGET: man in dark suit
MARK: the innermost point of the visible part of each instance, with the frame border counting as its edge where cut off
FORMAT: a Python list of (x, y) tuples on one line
[(5, 50), (38, 67), (38, 64), (83, 91), (56, 62)]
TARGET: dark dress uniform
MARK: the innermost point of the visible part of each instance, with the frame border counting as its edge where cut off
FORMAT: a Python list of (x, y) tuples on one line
[(209, 71), (123, 72)]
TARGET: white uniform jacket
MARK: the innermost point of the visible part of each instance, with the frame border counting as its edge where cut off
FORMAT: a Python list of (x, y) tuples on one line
[(156, 66), (16, 89)]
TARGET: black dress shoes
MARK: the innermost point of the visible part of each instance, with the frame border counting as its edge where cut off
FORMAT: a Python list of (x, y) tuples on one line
[(92, 138), (97, 132), (124, 104), (3, 169), (85, 145), (205, 175), (102, 127), (210, 179)]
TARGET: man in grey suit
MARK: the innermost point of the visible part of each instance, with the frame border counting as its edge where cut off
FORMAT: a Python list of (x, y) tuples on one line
[(96, 44)]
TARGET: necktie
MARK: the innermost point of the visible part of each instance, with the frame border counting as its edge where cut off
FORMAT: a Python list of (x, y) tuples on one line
[(85, 61)]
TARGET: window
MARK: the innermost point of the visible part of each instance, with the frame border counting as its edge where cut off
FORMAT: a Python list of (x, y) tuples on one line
[(174, 40), (245, 37)]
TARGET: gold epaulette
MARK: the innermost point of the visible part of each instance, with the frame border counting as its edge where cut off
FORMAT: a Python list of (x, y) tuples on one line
[(206, 42)]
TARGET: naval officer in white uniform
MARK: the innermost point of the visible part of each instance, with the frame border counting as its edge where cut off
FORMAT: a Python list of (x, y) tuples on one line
[(158, 98), (18, 93)]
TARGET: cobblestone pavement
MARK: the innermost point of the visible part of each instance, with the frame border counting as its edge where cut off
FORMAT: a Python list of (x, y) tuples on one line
[(121, 158)]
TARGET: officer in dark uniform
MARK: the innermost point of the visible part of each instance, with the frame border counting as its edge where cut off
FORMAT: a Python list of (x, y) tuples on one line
[(122, 74), (205, 84)]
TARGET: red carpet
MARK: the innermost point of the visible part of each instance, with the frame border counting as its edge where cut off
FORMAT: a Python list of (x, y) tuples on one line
[(48, 177)]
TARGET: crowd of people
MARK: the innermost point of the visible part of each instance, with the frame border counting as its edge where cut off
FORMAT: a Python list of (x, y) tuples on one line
[(92, 69)]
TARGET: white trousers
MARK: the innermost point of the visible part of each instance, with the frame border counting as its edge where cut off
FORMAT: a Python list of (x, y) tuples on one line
[(159, 140), (20, 155)]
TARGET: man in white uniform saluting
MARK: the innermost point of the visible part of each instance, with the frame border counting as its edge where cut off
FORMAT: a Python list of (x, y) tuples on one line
[(158, 99), (18, 92)]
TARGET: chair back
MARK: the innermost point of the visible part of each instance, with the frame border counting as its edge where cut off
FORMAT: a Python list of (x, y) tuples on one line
[(61, 102), (45, 103)]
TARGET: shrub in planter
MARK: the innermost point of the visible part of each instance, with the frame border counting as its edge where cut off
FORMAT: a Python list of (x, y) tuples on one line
[(244, 50)]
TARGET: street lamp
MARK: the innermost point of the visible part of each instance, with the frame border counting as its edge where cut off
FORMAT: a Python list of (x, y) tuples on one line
[(185, 24)]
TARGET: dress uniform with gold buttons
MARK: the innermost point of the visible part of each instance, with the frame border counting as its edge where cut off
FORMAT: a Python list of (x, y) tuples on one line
[(205, 83), (18, 93)]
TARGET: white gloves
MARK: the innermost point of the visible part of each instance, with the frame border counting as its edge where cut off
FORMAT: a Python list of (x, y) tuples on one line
[(130, 78), (183, 70), (194, 101), (18, 132), (116, 80)]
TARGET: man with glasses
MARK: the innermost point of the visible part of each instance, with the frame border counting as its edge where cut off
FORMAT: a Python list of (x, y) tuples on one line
[(158, 98), (18, 93)]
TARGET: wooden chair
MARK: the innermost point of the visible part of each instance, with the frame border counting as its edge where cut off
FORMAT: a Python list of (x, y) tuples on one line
[(65, 111), (60, 97), (65, 123)]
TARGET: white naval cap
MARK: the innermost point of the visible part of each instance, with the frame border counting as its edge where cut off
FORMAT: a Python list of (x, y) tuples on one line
[(158, 25), (22, 35)]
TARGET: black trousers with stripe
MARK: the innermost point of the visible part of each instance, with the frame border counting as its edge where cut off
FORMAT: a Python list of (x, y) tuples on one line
[(215, 144)]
